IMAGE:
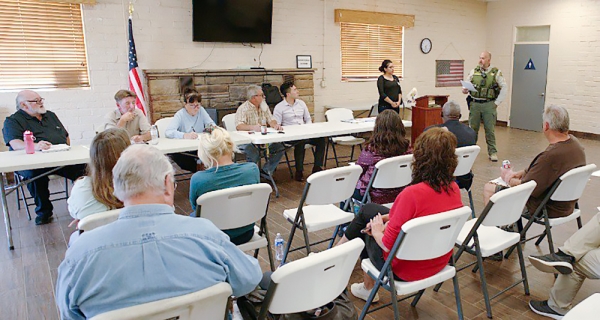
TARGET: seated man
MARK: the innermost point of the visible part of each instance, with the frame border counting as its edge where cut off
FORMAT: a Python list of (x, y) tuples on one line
[(48, 130), (249, 117), (578, 259), (562, 154), (465, 136), (150, 253), (128, 117), (292, 111)]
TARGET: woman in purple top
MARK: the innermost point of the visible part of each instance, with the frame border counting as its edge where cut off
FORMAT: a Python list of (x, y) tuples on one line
[(387, 141)]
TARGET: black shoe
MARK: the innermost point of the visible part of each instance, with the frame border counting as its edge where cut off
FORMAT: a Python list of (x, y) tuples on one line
[(543, 309), (299, 176), (496, 257), (553, 262), (40, 220)]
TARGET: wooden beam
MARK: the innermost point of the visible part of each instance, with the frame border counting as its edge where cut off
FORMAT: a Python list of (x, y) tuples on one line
[(368, 17)]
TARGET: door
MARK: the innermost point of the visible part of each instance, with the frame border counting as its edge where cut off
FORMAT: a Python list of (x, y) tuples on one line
[(530, 68)]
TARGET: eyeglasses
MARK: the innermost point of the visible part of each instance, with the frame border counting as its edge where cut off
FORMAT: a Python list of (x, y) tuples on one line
[(260, 95), (37, 101)]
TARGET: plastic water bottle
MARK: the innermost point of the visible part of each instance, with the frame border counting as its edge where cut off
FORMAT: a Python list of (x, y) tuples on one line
[(279, 247), (29, 145), (154, 135)]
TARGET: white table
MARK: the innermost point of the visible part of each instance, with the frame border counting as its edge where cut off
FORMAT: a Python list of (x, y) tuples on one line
[(11, 161)]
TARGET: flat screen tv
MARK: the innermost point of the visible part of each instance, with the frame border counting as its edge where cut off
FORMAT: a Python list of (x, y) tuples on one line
[(232, 20)]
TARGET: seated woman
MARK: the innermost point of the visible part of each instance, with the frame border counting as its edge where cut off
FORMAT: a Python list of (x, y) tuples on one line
[(216, 152), (187, 123), (94, 192), (432, 190), (387, 141)]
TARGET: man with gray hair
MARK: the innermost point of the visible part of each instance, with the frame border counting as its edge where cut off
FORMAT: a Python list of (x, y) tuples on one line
[(250, 116), (149, 253), (562, 154)]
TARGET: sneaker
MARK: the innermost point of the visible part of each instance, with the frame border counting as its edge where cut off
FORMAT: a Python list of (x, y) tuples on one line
[(40, 220), (358, 290), (494, 157), (553, 262), (543, 309)]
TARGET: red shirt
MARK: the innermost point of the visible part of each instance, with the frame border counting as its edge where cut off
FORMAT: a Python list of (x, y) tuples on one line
[(418, 201)]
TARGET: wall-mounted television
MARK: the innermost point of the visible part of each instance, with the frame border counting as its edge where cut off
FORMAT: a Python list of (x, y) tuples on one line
[(232, 20)]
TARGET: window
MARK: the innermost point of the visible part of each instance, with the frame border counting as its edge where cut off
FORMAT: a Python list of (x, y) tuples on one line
[(365, 46), (41, 46)]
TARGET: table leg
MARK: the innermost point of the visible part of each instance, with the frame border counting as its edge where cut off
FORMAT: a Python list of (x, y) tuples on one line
[(268, 175), (6, 215)]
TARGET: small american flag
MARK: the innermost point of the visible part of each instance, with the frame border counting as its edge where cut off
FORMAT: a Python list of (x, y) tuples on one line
[(448, 73), (135, 84)]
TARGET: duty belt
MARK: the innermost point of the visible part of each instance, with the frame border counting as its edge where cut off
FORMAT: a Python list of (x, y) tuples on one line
[(483, 100)]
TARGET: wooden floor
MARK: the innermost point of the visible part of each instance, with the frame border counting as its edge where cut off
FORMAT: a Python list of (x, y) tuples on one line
[(28, 274)]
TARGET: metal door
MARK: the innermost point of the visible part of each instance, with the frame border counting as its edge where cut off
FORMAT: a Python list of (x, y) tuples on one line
[(530, 69)]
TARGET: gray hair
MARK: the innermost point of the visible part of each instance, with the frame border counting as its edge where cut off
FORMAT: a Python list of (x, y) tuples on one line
[(557, 118), (213, 146), (252, 91), (20, 98), (141, 169), (451, 109)]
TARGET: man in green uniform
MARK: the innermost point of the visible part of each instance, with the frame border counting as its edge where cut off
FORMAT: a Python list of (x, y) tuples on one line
[(490, 91)]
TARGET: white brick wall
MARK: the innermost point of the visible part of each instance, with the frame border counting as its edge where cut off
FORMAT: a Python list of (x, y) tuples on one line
[(163, 34)]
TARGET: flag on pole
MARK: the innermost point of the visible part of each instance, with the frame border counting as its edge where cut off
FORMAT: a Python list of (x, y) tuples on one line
[(135, 84)]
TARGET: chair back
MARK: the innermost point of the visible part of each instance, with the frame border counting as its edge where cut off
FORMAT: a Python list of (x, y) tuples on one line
[(374, 110), (394, 172), (234, 207), (313, 281), (162, 124), (338, 114), (439, 231), (466, 159), (209, 303), (506, 206), (332, 185), (96, 220), (572, 183), (229, 122)]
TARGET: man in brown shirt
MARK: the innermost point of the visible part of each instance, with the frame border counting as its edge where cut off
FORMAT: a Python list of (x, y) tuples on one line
[(563, 154)]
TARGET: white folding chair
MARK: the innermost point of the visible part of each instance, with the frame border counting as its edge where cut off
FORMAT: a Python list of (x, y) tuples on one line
[(337, 115), (482, 237), (585, 310), (322, 194), (22, 197), (209, 303), (390, 173), (96, 220), (439, 231), (229, 122), (162, 124), (237, 207), (568, 187), (311, 282), (466, 159)]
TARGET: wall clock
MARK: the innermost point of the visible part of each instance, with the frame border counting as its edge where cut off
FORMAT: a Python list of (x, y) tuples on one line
[(426, 45)]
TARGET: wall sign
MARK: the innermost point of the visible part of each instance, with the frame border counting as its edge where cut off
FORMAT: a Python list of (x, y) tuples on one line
[(530, 65), (304, 62)]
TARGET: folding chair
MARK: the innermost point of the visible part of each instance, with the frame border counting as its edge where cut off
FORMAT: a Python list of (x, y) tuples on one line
[(237, 207), (390, 173), (287, 159), (209, 303), (322, 193), (586, 309), (96, 220), (311, 282), (162, 124), (20, 194), (568, 187), (439, 231), (337, 115), (482, 237), (228, 122), (466, 159)]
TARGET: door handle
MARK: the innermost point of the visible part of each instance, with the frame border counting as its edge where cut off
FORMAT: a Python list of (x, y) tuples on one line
[(542, 94)]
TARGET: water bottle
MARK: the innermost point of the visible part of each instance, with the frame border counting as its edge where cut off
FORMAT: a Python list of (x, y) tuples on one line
[(279, 247), (263, 127), (29, 145), (154, 134)]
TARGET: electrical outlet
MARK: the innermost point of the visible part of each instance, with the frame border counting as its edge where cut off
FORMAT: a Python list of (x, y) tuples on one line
[(323, 84)]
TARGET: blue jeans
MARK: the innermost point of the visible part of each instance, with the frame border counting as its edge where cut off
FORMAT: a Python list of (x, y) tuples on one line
[(276, 152)]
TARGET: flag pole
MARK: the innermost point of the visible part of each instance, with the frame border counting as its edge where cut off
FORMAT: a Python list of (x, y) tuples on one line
[(130, 9)]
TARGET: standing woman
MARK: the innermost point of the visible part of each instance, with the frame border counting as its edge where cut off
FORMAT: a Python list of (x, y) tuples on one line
[(388, 85)]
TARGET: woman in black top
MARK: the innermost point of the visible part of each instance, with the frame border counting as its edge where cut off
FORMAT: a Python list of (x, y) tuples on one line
[(390, 92)]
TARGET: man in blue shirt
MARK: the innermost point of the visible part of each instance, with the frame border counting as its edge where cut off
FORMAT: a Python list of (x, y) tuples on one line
[(149, 253)]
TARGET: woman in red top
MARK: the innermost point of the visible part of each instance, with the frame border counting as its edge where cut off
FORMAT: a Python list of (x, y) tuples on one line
[(432, 191)]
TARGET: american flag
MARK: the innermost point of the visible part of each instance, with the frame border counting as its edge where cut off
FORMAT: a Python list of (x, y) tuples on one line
[(448, 73), (135, 84)]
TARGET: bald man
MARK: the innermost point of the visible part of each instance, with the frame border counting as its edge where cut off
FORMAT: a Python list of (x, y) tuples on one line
[(490, 92)]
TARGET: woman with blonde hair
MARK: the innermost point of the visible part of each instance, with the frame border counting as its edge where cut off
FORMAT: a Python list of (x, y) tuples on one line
[(216, 153)]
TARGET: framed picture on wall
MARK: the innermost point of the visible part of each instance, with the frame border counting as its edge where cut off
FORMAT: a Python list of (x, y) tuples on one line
[(304, 62)]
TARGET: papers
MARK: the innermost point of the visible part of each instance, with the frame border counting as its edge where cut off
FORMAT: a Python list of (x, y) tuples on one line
[(467, 85), (500, 182), (57, 148), (359, 120), (269, 130)]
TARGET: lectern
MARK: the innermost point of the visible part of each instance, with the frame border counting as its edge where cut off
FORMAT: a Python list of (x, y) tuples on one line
[(426, 112)]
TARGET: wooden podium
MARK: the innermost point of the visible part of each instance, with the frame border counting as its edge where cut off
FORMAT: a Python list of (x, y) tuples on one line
[(426, 112)]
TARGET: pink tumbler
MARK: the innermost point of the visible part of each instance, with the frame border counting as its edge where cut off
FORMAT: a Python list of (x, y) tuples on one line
[(28, 138)]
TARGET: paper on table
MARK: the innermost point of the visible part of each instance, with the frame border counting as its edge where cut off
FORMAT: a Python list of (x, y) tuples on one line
[(500, 182), (269, 130), (58, 147), (467, 85)]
